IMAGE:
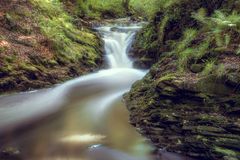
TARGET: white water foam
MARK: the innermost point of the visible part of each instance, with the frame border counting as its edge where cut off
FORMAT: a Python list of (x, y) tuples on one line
[(112, 82)]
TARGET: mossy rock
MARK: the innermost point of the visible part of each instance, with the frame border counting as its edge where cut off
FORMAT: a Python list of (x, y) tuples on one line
[(197, 68), (175, 111)]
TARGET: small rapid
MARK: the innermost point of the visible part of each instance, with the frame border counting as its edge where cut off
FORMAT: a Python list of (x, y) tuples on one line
[(81, 112)]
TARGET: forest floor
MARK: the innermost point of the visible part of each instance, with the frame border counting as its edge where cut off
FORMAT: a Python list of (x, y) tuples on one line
[(31, 58)]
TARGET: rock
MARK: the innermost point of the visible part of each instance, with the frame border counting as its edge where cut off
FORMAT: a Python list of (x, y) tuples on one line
[(159, 34), (196, 68), (10, 153), (233, 79), (142, 63), (177, 113)]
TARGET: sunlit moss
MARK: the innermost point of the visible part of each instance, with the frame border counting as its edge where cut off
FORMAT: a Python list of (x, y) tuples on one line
[(162, 27), (69, 42), (226, 151), (209, 67), (220, 72), (148, 8), (166, 77), (95, 9)]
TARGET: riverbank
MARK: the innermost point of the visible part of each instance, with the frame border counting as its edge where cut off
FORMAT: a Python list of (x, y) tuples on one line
[(188, 102), (40, 45)]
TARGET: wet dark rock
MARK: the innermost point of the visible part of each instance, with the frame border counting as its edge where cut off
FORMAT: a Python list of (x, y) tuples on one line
[(143, 64), (233, 79), (186, 113), (10, 153)]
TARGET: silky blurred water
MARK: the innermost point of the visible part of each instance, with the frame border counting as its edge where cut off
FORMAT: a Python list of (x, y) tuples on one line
[(65, 122)]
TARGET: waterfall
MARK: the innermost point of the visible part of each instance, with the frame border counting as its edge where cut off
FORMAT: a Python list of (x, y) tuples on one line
[(81, 112), (117, 41), (112, 83)]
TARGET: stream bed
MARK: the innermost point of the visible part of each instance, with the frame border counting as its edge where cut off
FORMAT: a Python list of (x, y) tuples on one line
[(83, 118)]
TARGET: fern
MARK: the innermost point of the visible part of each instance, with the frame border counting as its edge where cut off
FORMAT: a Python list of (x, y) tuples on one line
[(238, 51), (188, 36), (184, 57), (220, 72), (209, 67)]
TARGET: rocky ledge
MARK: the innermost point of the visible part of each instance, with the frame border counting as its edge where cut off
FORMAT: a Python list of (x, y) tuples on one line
[(188, 113)]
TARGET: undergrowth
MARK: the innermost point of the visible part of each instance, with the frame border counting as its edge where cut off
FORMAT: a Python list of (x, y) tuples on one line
[(69, 42), (218, 33), (96, 9)]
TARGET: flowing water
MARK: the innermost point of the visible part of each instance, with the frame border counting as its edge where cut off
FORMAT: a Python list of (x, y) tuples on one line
[(82, 118)]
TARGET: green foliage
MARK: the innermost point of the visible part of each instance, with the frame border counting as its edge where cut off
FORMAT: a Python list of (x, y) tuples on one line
[(166, 77), (2, 37), (70, 43), (183, 58), (95, 9), (238, 51), (148, 8), (188, 36), (220, 71), (2, 49), (226, 151), (146, 38), (221, 26), (217, 32), (28, 67), (162, 27), (209, 67)]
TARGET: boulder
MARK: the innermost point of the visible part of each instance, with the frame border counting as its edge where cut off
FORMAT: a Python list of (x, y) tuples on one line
[(187, 113)]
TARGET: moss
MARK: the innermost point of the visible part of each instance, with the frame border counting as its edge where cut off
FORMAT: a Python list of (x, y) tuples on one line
[(162, 27), (6, 69), (28, 67), (12, 17), (53, 62), (10, 59), (196, 68), (2, 37), (226, 152), (218, 119), (3, 49), (166, 77), (200, 103), (220, 71), (193, 37), (71, 44), (209, 68), (210, 129), (94, 9), (146, 38)]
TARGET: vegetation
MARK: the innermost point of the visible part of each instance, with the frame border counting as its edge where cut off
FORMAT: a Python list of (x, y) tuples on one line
[(46, 41), (68, 41), (95, 9), (190, 97), (206, 28), (191, 94)]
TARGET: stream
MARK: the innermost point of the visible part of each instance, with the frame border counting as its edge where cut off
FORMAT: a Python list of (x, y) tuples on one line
[(83, 118)]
